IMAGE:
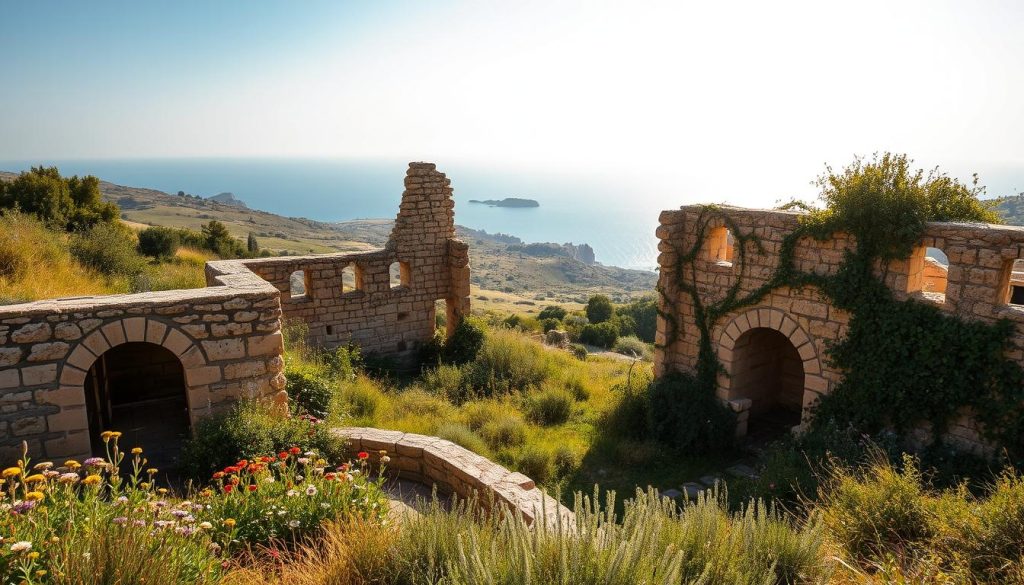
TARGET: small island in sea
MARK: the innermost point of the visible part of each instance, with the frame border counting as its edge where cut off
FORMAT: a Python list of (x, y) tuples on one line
[(508, 202)]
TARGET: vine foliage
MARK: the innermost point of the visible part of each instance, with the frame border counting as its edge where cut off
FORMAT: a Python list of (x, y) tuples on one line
[(903, 361)]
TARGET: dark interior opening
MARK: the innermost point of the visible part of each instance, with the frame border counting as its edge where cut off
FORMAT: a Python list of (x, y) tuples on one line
[(1017, 295), (768, 370), (139, 389)]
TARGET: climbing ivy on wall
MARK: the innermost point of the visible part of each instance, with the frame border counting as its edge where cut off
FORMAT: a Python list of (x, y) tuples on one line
[(903, 361)]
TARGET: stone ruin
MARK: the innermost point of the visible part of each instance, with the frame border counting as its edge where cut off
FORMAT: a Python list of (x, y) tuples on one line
[(152, 364), (773, 352)]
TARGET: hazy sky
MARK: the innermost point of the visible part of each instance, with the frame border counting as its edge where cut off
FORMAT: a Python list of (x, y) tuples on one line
[(738, 100)]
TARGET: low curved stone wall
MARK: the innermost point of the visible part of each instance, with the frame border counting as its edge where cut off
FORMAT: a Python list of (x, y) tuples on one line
[(456, 470)]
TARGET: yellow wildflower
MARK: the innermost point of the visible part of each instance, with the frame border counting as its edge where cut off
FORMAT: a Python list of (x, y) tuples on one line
[(107, 435), (12, 472), (230, 523), (33, 555), (35, 478), (152, 470), (92, 479), (34, 496), (136, 450), (72, 464), (144, 485), (161, 491), (115, 434)]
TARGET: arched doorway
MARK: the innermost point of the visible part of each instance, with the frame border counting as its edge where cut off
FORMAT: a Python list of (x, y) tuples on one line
[(768, 370), (139, 389)]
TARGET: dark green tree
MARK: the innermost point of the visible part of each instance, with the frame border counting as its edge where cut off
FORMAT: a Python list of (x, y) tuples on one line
[(72, 204), (159, 242), (599, 309), (252, 245)]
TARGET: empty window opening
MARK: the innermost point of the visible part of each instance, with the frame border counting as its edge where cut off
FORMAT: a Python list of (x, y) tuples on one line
[(1015, 294), (927, 273), (330, 330), (403, 316), (399, 274), (720, 246), (768, 370), (351, 278), (139, 389), (298, 284)]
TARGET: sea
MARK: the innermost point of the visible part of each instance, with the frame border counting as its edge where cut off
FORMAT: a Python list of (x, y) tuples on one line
[(613, 215)]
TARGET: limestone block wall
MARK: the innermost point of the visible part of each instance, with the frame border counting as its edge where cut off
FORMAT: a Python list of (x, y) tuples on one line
[(976, 285), (369, 311), (456, 470), (227, 338)]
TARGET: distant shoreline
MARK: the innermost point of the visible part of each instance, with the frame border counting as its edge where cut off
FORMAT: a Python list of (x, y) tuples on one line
[(508, 202)]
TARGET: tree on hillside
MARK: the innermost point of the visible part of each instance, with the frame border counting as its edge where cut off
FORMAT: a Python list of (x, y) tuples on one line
[(252, 245), (159, 242), (215, 233), (72, 203), (599, 309)]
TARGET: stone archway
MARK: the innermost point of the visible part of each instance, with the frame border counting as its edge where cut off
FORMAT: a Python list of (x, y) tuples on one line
[(770, 362), (163, 344)]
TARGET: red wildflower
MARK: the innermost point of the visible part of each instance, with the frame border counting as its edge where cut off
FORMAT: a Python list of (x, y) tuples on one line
[(363, 455), (329, 475), (266, 459), (282, 455), (295, 451), (242, 463), (228, 487), (218, 475), (252, 487)]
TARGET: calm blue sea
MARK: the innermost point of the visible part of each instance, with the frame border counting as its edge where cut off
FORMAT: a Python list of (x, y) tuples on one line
[(613, 217)]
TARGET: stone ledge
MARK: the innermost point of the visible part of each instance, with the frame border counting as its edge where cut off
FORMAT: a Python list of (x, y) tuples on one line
[(456, 470)]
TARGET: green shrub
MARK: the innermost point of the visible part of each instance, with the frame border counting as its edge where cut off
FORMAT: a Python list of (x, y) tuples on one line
[(308, 391), (882, 510), (507, 363), (551, 406), (565, 460), (631, 346), (599, 309), (643, 317), (550, 324), (67, 203), (522, 323), (447, 381), (629, 418), (480, 412), (342, 363), (506, 431), (601, 334), (579, 351), (464, 343), (552, 312), (249, 429), (361, 399), (536, 463), (159, 242), (688, 417), (463, 436), (110, 249), (419, 403)]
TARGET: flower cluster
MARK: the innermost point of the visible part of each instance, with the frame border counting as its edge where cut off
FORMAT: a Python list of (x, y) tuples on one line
[(49, 512)]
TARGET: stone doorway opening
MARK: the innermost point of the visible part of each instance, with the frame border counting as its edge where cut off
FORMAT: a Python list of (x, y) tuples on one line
[(768, 370), (139, 389)]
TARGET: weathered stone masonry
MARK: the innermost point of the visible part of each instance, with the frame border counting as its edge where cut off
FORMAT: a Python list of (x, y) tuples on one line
[(977, 285), (371, 312), (227, 337)]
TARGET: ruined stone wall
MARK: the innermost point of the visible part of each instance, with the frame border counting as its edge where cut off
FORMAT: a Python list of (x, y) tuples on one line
[(227, 338), (976, 286), (369, 310)]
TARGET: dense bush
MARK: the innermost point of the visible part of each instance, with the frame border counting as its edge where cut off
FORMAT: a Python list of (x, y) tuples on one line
[(159, 242), (110, 249), (550, 324), (631, 346), (463, 436), (537, 463), (550, 406), (507, 363), (249, 429), (447, 381), (504, 431), (552, 312), (684, 415), (599, 309), (600, 334), (639, 318), (464, 343), (308, 391), (579, 351), (361, 400)]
